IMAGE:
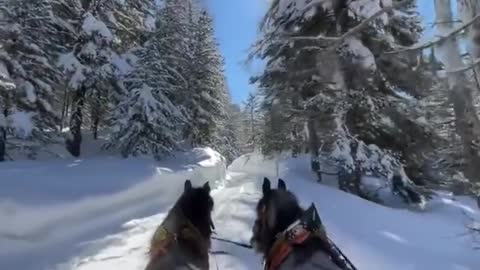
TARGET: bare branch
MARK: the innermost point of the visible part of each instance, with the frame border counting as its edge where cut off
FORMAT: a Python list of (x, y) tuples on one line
[(463, 69), (438, 40)]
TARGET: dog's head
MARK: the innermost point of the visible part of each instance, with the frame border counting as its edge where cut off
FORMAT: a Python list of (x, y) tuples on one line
[(276, 210), (197, 206)]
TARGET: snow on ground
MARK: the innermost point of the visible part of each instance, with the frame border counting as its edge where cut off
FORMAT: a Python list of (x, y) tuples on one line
[(374, 237), (48, 208)]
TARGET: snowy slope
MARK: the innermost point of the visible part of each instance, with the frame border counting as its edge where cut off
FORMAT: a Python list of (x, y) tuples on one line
[(374, 237), (48, 208)]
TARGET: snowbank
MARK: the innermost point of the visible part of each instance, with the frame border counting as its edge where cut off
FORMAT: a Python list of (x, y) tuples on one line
[(374, 237), (45, 207)]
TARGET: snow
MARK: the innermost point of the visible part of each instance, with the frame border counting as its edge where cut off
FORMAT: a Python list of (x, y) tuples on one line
[(402, 94), (367, 8), (89, 50), (4, 74), (361, 54), (5, 81), (46, 207), (21, 122), (124, 64), (91, 25), (149, 22), (65, 197), (77, 79), (30, 91), (69, 62)]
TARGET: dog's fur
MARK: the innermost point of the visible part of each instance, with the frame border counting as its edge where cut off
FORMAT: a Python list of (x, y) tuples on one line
[(276, 211), (190, 223)]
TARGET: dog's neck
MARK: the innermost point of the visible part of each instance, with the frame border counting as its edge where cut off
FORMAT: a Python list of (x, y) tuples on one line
[(285, 217), (201, 223)]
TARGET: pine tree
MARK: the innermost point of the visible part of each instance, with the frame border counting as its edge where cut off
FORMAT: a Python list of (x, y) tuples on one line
[(343, 84), (30, 40), (106, 30), (252, 123), (147, 120), (6, 91), (204, 104)]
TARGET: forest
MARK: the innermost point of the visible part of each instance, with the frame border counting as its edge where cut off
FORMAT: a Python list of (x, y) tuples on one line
[(356, 85)]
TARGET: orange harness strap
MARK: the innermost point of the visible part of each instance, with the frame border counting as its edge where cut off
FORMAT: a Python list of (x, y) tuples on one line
[(162, 241), (283, 248)]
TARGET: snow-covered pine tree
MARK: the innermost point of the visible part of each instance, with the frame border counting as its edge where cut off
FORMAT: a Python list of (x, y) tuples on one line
[(226, 138), (147, 120), (467, 122), (6, 91), (329, 69), (88, 65), (204, 105), (104, 31), (30, 38), (252, 123)]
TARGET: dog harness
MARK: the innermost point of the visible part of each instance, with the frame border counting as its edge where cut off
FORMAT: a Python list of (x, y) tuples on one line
[(296, 234), (307, 227), (165, 238)]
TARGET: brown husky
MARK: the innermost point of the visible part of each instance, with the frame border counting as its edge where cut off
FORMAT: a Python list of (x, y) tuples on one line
[(182, 241)]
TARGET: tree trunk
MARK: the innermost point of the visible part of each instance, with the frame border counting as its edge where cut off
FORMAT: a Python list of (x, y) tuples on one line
[(3, 143), (64, 109), (252, 119), (74, 143), (95, 124), (467, 10), (314, 145), (466, 121)]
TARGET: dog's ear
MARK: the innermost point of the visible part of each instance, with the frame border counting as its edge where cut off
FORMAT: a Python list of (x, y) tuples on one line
[(266, 186), (187, 186), (282, 185), (206, 187)]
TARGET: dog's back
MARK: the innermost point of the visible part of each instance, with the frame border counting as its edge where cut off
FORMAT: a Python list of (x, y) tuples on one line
[(182, 241), (176, 259)]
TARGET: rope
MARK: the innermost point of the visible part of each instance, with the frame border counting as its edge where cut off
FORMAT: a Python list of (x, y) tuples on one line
[(243, 245), (345, 258)]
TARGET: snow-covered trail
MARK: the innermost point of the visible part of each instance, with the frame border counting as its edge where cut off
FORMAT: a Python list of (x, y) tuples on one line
[(233, 215), (374, 237)]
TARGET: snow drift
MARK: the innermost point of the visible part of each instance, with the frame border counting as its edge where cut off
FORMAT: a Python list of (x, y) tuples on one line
[(374, 237), (48, 207)]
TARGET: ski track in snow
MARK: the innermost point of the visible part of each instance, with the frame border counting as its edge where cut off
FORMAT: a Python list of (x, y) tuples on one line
[(373, 237)]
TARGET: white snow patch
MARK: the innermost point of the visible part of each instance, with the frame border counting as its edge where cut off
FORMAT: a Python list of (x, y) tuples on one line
[(386, 120), (30, 91), (21, 122), (374, 237), (91, 25), (4, 74), (89, 49), (77, 78), (122, 64), (367, 8), (69, 62), (361, 54), (402, 94), (46, 206), (149, 22)]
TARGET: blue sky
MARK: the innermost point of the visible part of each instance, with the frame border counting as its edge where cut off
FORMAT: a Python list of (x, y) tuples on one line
[(236, 26)]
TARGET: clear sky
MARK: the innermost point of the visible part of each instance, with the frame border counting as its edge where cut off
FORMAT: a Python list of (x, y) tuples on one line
[(236, 23)]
